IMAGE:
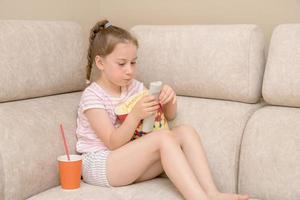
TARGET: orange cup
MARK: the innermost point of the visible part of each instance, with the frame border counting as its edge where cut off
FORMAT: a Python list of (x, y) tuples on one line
[(69, 171)]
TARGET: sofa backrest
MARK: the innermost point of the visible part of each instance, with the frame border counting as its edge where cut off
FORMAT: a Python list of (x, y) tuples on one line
[(210, 61), (282, 76), (41, 64), (39, 58), (270, 151)]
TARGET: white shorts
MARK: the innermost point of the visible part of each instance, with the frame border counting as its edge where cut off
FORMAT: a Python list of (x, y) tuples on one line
[(94, 168)]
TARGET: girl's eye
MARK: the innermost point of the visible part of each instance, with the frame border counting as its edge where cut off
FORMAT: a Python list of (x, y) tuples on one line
[(121, 64), (133, 63)]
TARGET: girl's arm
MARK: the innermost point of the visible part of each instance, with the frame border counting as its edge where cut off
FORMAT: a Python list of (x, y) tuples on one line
[(103, 127), (170, 109), (168, 101), (113, 137)]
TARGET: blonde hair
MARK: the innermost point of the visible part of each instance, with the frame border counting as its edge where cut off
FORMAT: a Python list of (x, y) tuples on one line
[(103, 39)]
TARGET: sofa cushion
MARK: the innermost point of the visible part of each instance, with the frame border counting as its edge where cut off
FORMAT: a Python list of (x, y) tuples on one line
[(159, 188), (212, 61), (39, 58), (270, 154), (221, 125), (31, 141), (281, 85), (1, 179)]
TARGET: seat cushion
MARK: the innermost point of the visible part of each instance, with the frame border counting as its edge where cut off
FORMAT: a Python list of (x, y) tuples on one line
[(159, 188), (221, 125), (270, 154)]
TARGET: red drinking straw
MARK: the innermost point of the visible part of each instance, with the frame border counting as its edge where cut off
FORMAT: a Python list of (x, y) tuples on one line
[(65, 142)]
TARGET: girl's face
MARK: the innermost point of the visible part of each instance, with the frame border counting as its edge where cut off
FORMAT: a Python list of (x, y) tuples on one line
[(120, 65)]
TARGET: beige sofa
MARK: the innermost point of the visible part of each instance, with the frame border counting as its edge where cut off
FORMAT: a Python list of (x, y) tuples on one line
[(219, 75)]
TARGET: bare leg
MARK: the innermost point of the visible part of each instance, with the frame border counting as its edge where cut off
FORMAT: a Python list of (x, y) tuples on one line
[(152, 172), (126, 164), (192, 148)]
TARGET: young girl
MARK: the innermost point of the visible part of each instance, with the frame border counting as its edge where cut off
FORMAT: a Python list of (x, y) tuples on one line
[(110, 157)]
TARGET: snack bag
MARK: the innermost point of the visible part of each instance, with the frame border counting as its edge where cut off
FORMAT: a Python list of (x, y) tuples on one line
[(125, 107)]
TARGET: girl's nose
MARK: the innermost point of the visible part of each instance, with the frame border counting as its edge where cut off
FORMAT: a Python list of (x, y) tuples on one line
[(129, 69)]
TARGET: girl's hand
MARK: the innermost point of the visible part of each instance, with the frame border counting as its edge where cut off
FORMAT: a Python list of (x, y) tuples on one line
[(167, 95), (145, 107)]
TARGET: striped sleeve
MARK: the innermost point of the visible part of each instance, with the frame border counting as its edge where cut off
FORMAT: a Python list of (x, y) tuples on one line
[(90, 99)]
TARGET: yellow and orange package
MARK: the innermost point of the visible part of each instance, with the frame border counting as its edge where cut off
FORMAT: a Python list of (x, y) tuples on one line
[(124, 108)]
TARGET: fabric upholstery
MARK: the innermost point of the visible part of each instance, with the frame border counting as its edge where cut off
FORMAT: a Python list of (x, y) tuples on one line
[(270, 154), (222, 121), (159, 188), (281, 85), (210, 61), (220, 125), (31, 141), (1, 178), (40, 58)]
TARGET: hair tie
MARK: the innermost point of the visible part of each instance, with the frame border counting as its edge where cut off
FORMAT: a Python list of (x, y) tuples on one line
[(107, 25)]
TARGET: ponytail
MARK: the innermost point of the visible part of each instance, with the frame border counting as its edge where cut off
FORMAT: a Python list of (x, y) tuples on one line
[(98, 26)]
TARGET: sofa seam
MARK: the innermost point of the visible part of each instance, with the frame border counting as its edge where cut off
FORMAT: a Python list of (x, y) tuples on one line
[(242, 135), (240, 147)]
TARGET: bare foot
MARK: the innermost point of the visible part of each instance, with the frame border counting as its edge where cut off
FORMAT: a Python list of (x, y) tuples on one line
[(227, 196)]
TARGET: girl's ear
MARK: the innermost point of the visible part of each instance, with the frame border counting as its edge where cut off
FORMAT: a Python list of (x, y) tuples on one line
[(99, 62)]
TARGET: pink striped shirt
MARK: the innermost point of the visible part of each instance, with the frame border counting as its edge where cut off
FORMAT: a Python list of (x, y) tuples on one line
[(96, 97)]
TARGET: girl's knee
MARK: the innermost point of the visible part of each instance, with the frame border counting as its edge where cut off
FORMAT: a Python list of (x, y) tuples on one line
[(165, 137), (186, 132), (186, 128)]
